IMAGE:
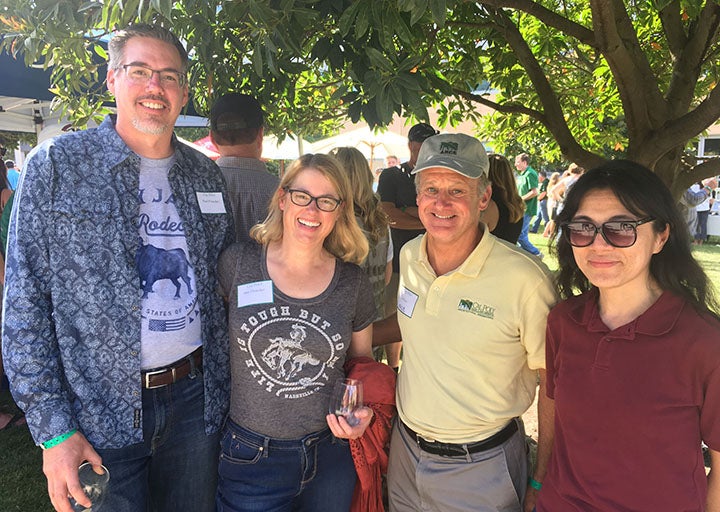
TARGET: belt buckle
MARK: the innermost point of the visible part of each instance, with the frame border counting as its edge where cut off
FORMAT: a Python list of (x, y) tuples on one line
[(147, 375)]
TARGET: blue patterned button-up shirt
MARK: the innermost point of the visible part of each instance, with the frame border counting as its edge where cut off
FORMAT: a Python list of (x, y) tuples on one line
[(71, 328)]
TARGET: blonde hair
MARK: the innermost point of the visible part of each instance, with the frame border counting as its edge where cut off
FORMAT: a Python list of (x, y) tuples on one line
[(503, 182), (346, 241), (554, 179), (366, 202)]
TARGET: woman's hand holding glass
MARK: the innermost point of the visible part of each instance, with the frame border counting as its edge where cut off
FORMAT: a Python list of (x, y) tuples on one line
[(348, 418)]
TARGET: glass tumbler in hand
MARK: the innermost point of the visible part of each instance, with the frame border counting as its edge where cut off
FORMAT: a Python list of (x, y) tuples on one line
[(93, 485), (347, 398)]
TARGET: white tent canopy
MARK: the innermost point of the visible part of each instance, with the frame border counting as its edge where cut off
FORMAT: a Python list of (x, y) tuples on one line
[(375, 146), (288, 149)]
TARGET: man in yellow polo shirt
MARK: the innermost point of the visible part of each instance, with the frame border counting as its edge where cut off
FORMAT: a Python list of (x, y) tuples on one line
[(472, 311)]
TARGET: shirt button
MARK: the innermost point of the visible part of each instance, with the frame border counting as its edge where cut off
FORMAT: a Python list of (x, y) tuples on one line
[(133, 353), (136, 393)]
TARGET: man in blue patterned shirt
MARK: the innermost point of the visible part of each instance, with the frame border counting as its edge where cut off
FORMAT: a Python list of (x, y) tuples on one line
[(114, 335)]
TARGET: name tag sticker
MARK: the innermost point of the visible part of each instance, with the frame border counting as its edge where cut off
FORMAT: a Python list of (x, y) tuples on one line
[(406, 302), (260, 292), (211, 202)]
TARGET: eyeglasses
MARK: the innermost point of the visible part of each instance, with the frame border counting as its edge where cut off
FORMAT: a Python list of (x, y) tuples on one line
[(141, 75), (302, 198), (618, 233)]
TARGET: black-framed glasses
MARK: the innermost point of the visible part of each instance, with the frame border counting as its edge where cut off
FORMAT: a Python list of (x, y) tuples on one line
[(618, 233), (302, 198), (140, 74)]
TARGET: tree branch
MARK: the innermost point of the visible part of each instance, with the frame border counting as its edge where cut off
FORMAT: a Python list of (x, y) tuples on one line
[(673, 28), (688, 65), (505, 108), (637, 85), (683, 128), (548, 17)]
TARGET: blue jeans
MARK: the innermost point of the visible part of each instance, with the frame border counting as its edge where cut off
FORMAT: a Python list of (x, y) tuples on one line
[(261, 474), (175, 467), (542, 216), (523, 240)]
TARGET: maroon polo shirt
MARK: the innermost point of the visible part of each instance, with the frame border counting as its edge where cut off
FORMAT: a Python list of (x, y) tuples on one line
[(631, 407)]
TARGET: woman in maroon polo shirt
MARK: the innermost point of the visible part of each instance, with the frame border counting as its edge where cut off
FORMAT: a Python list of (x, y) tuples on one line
[(633, 362)]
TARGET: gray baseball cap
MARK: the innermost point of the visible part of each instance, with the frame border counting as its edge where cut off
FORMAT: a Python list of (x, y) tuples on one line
[(454, 151)]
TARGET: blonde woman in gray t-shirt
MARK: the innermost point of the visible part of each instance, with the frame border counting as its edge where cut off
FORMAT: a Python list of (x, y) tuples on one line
[(298, 307)]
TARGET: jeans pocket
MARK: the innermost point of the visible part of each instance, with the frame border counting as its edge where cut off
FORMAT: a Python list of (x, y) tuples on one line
[(236, 450)]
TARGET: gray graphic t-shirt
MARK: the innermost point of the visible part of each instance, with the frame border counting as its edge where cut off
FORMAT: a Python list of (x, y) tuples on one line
[(286, 353), (171, 313)]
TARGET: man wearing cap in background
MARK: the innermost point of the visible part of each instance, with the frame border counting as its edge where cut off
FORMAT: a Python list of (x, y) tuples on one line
[(236, 129), (472, 313), (396, 189)]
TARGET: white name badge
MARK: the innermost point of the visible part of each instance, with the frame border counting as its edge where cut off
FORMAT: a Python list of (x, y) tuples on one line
[(211, 202), (406, 302), (260, 292)]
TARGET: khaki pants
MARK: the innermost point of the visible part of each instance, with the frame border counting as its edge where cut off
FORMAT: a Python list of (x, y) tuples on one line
[(490, 481)]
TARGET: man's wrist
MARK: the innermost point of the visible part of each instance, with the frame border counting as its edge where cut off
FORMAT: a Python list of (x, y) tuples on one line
[(58, 440), (534, 484)]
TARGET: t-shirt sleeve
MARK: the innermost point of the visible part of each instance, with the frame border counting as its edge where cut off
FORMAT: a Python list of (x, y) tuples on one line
[(365, 311), (550, 352), (227, 263), (710, 411), (533, 322)]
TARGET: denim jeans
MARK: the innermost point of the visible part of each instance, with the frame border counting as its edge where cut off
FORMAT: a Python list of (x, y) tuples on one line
[(261, 474), (523, 240), (542, 216), (175, 467)]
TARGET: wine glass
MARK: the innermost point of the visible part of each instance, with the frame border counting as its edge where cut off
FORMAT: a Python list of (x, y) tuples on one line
[(93, 485), (346, 399)]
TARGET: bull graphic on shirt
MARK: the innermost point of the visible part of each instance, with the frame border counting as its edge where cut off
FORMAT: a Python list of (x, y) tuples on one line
[(154, 264), (286, 356)]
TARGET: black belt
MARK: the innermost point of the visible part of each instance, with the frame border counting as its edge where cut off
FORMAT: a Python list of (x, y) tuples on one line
[(171, 374), (456, 450)]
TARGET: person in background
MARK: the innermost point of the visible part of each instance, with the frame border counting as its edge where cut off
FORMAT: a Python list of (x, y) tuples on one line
[(299, 306), (236, 129), (12, 174), (633, 361), (114, 334), (528, 189), (373, 222), (551, 203), (703, 211), (504, 214), (472, 311), (392, 161), (689, 201), (397, 195), (542, 215)]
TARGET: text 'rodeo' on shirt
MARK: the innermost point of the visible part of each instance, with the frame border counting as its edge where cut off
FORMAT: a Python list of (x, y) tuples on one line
[(289, 350)]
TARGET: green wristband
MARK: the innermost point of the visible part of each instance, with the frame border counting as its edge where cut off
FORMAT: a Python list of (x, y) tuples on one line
[(534, 484), (57, 440)]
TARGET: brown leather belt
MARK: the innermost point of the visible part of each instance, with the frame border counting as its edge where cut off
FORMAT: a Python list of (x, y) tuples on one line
[(180, 369), (457, 450)]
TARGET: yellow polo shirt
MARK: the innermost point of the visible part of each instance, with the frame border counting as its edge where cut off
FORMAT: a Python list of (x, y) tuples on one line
[(472, 339)]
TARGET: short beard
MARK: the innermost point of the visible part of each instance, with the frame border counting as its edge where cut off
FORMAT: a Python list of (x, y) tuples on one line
[(149, 128)]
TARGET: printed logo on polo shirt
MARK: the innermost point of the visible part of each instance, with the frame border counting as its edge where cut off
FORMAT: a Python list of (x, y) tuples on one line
[(289, 350), (449, 148), (482, 310)]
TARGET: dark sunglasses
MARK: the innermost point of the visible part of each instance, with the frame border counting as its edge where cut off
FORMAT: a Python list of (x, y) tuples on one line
[(618, 233)]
